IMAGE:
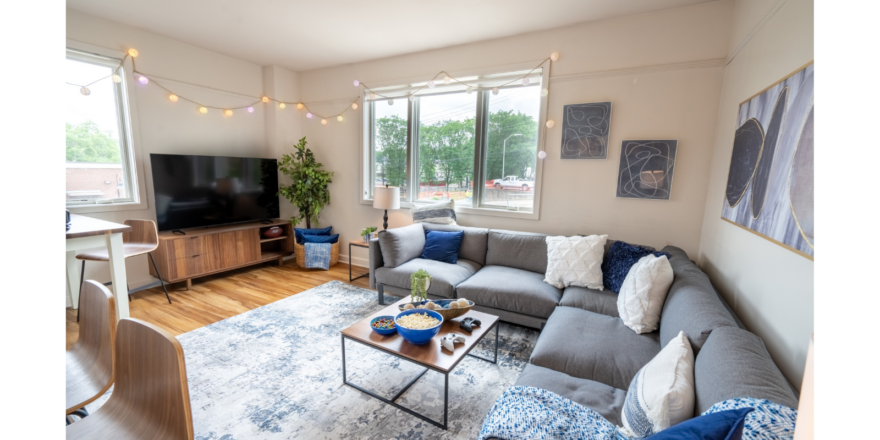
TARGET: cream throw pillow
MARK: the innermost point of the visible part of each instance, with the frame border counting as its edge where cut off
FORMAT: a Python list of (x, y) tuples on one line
[(575, 261), (643, 293), (662, 394)]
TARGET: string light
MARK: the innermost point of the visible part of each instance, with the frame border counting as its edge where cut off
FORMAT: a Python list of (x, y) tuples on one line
[(339, 118), (133, 53), (250, 109), (447, 79), (172, 97), (282, 106), (545, 92), (542, 154), (357, 83), (227, 112), (470, 89), (431, 84), (354, 106), (116, 78), (554, 56), (550, 123), (309, 115), (412, 98), (390, 101), (265, 99), (495, 90), (203, 110), (85, 91), (299, 106), (525, 81), (323, 122), (143, 80), (372, 95)]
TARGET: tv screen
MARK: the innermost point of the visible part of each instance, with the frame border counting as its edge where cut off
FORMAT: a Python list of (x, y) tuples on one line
[(197, 191)]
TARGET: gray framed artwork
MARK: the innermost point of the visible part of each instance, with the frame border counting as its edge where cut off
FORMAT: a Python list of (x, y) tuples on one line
[(646, 169), (770, 180), (585, 130)]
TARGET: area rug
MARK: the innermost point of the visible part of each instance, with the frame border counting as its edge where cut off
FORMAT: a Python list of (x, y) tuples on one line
[(276, 373)]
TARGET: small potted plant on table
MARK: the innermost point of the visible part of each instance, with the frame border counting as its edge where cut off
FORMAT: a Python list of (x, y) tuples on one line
[(367, 233)]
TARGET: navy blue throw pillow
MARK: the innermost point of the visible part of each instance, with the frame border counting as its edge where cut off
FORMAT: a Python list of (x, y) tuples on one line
[(723, 425), (299, 232), (442, 246), (620, 259), (310, 238)]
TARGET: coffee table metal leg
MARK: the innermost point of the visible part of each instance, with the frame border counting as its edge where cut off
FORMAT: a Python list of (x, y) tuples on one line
[(495, 359)]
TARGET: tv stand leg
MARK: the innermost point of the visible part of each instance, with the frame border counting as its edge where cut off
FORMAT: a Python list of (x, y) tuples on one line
[(281, 261), (189, 283)]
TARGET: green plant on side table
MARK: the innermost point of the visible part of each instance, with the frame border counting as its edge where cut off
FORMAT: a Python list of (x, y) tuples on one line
[(420, 281), (367, 232), (308, 188)]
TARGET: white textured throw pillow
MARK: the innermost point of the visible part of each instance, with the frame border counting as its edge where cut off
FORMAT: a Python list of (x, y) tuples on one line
[(575, 261), (662, 394), (442, 213), (643, 293)]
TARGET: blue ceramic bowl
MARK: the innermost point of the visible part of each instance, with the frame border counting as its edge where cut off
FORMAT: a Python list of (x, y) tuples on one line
[(383, 331), (421, 336)]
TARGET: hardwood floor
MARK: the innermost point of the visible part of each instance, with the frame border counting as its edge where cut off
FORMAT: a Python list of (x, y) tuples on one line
[(217, 297)]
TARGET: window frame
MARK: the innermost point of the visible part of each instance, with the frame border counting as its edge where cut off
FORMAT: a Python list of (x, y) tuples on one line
[(127, 119), (480, 133)]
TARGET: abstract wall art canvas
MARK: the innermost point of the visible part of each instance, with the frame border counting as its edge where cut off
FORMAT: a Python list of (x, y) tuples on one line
[(645, 170), (585, 130), (770, 181)]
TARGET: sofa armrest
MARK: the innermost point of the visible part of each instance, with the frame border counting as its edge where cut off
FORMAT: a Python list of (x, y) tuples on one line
[(375, 261)]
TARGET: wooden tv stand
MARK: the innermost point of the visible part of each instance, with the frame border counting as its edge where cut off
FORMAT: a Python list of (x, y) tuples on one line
[(206, 251)]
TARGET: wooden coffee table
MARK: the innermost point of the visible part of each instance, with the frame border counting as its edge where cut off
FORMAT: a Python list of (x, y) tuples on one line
[(432, 355)]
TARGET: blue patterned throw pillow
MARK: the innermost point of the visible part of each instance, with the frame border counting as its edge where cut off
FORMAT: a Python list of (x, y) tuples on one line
[(620, 259), (724, 425), (317, 255), (299, 232), (768, 421), (442, 246)]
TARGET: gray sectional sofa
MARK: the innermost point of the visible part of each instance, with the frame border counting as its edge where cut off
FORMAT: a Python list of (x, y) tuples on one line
[(503, 272)]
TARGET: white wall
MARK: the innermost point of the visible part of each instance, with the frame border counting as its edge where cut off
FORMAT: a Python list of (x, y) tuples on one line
[(662, 71), (178, 128), (770, 288)]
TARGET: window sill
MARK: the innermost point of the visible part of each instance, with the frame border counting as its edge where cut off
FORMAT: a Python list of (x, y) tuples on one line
[(467, 210), (110, 207)]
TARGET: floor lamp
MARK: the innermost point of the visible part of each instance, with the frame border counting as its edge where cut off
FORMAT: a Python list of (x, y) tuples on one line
[(386, 197)]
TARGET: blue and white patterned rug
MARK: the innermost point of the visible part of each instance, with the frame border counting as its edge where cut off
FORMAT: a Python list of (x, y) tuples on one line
[(275, 372)]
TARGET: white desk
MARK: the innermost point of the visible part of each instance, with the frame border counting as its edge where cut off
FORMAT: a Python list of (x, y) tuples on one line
[(90, 233)]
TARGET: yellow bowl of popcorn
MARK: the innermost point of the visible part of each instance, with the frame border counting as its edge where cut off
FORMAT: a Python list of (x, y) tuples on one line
[(418, 326)]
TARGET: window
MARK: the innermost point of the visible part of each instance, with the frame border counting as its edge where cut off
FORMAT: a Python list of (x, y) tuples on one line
[(479, 149), (98, 152)]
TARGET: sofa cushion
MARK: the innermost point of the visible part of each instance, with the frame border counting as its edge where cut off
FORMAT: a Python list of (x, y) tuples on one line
[(400, 245), (522, 250), (605, 400), (444, 276), (511, 289), (692, 306), (603, 302), (592, 346), (473, 244), (734, 363)]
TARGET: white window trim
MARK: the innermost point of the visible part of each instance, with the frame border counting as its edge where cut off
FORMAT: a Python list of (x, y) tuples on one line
[(366, 148), (134, 157)]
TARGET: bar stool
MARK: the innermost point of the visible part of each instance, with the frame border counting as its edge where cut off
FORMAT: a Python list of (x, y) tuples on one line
[(150, 399), (142, 239), (90, 361)]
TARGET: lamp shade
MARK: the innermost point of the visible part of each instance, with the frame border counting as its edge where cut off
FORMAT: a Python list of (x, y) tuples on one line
[(803, 427), (386, 197)]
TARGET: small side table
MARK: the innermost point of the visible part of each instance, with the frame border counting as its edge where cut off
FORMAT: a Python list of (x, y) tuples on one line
[(358, 244)]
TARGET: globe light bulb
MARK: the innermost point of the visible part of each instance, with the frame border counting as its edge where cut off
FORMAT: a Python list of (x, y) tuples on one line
[(143, 80), (542, 154), (447, 80), (470, 89), (250, 109), (85, 91), (323, 122), (550, 123), (554, 56), (282, 106), (309, 115), (495, 90), (526, 81), (412, 98), (265, 99), (354, 106), (227, 112), (390, 101), (116, 78), (545, 92), (372, 95), (133, 53), (357, 83), (339, 118), (431, 84), (203, 110), (300, 105), (172, 97)]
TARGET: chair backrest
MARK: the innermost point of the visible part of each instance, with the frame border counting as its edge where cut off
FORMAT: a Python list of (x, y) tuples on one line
[(94, 349), (142, 232)]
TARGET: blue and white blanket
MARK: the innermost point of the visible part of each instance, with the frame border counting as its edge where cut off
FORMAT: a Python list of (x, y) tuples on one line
[(318, 255), (523, 413)]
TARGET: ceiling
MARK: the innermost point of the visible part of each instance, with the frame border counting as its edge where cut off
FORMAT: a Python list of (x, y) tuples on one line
[(309, 34)]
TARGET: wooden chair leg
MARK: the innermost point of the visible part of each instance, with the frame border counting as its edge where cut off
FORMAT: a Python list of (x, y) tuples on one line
[(82, 277), (160, 277)]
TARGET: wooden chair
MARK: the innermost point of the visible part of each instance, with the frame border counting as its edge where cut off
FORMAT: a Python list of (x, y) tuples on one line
[(150, 399), (142, 239), (90, 360)]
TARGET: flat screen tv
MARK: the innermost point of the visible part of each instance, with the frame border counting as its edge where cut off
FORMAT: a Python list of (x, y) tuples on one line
[(200, 191)]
